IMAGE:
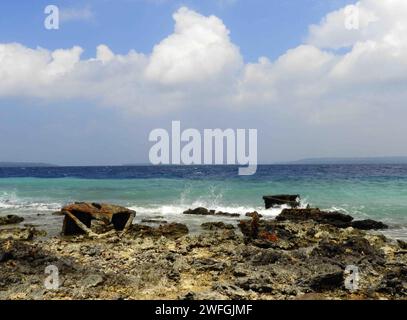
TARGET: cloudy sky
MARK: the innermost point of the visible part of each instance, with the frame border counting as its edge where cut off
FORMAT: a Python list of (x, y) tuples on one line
[(91, 92)]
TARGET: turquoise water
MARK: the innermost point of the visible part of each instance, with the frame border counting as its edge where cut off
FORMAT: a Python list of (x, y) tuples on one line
[(371, 191)]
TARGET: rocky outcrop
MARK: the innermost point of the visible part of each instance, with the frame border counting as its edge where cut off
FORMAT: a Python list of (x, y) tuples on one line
[(282, 199), (10, 219), (205, 212), (336, 219), (80, 216), (291, 258)]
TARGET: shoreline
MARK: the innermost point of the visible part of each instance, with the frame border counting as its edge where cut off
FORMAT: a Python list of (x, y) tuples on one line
[(285, 258)]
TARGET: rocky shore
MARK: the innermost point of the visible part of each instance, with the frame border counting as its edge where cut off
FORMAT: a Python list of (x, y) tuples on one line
[(302, 254)]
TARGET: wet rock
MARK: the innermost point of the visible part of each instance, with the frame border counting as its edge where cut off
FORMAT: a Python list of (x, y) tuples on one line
[(79, 216), (336, 219), (10, 219), (205, 212), (369, 225), (330, 281), (199, 211), (281, 199), (22, 234), (216, 226)]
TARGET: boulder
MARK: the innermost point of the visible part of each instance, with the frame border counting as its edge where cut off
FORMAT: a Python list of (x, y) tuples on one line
[(10, 219), (79, 216), (369, 225), (336, 219), (281, 199)]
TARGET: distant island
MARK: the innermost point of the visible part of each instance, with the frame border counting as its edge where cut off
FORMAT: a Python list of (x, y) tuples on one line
[(25, 164), (362, 160)]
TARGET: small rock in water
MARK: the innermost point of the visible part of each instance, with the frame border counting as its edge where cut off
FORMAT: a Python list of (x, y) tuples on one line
[(22, 234), (369, 225), (205, 212)]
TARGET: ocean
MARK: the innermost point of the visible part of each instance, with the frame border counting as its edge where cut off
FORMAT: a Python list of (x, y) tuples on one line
[(163, 192)]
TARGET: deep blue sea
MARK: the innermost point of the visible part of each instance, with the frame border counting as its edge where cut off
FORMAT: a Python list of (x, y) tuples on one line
[(164, 192)]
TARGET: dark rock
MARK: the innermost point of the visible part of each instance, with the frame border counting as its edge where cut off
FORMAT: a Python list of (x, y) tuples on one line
[(216, 225), (326, 282), (5, 256), (402, 244), (336, 219), (369, 225), (10, 219), (119, 217), (281, 199), (153, 221), (200, 211), (205, 212)]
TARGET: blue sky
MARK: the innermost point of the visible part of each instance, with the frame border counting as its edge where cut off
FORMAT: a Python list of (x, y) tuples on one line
[(309, 92), (258, 27)]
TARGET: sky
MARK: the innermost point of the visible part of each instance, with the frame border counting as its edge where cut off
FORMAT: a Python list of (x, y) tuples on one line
[(312, 84)]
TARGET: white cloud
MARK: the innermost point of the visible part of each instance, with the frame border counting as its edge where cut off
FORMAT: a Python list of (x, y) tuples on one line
[(198, 66)]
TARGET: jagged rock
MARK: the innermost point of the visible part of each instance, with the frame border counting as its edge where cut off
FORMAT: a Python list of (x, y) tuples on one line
[(10, 219), (22, 234), (336, 219), (216, 225), (369, 225), (330, 281), (281, 199), (205, 212), (79, 216)]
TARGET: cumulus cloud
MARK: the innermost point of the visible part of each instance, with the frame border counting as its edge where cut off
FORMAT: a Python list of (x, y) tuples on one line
[(197, 66)]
